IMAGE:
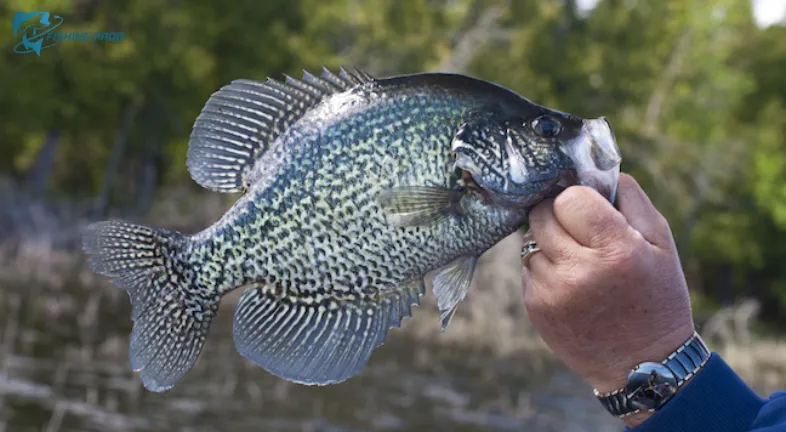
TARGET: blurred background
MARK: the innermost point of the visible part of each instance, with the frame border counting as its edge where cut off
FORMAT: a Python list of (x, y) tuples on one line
[(695, 89)]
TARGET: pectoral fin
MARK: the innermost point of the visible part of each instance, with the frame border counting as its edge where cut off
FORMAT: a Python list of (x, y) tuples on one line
[(451, 285), (418, 205)]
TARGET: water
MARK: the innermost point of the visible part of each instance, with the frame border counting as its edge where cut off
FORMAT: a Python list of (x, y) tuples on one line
[(63, 367)]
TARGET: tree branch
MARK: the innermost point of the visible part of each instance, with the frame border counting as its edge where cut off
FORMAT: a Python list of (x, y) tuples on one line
[(665, 83), (485, 27), (118, 149)]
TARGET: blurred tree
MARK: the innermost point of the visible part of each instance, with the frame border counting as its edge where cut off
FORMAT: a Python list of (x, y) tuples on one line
[(694, 89)]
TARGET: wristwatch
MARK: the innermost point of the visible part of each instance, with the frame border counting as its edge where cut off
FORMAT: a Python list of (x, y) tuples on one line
[(650, 385)]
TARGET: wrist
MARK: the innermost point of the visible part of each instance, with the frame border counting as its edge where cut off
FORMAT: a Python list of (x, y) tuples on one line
[(651, 384), (716, 399), (614, 374), (636, 419)]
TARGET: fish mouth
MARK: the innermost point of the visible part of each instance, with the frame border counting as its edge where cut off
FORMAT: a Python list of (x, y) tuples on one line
[(467, 180), (596, 157), (466, 170), (552, 187), (568, 178), (546, 187), (468, 183)]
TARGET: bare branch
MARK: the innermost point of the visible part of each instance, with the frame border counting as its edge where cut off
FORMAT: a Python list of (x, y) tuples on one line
[(38, 177), (665, 83), (485, 27), (118, 149)]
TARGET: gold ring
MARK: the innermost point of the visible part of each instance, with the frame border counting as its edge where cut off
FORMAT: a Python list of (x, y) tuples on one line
[(529, 249)]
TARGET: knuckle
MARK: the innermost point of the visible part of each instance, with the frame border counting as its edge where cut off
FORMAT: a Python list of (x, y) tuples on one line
[(607, 230), (663, 224), (614, 220), (574, 278), (566, 201), (626, 254), (565, 255)]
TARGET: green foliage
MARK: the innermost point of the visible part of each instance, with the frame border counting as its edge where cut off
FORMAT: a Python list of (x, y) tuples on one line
[(695, 91)]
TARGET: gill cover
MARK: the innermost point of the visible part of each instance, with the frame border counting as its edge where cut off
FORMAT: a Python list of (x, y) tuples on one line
[(506, 161)]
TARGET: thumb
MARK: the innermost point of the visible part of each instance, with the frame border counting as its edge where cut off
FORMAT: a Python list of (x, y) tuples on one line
[(589, 217)]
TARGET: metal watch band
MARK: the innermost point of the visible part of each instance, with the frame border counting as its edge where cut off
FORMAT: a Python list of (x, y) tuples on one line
[(651, 385), (616, 402)]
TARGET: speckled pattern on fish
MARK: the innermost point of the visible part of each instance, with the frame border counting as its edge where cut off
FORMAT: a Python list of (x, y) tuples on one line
[(354, 188)]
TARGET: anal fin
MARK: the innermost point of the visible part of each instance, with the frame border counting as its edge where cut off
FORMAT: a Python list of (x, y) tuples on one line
[(317, 342)]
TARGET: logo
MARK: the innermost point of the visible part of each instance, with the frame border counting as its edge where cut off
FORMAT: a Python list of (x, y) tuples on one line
[(35, 31), (33, 27)]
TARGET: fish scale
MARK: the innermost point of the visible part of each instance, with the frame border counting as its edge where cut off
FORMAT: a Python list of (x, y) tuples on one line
[(353, 189), (353, 192)]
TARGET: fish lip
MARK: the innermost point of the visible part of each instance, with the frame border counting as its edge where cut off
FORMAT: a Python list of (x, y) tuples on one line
[(596, 157), (551, 186), (603, 139)]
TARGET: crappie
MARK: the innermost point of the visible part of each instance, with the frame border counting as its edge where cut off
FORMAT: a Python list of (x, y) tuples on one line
[(354, 188)]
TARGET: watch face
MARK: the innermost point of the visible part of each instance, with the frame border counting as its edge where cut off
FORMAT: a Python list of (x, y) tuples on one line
[(650, 386)]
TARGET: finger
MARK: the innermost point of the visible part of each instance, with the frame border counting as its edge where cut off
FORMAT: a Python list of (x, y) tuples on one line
[(589, 218), (526, 257), (535, 273), (550, 236), (641, 214)]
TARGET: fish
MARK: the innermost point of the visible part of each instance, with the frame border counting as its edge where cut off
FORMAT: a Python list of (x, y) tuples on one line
[(351, 188)]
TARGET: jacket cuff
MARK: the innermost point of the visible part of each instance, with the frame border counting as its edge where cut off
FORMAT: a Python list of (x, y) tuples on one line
[(715, 399)]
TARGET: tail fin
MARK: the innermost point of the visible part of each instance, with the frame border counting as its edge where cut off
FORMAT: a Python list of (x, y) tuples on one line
[(171, 313)]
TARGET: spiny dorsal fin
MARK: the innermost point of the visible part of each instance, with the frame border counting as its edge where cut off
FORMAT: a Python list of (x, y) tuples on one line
[(241, 120)]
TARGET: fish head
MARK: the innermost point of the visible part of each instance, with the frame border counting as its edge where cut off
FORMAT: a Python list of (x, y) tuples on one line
[(521, 160)]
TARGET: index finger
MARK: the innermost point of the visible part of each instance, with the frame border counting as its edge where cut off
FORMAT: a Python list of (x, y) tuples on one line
[(551, 237)]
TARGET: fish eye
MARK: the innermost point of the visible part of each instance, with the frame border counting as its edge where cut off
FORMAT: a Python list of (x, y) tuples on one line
[(546, 126)]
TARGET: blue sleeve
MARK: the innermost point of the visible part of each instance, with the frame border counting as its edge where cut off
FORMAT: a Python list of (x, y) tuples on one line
[(718, 400), (772, 417)]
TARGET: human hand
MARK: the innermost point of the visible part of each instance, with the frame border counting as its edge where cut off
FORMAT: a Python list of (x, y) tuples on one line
[(607, 290)]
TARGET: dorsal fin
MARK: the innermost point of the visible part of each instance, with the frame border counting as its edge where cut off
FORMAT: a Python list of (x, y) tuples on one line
[(241, 120)]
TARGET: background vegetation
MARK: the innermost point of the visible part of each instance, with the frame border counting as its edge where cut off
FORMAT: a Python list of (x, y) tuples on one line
[(695, 90)]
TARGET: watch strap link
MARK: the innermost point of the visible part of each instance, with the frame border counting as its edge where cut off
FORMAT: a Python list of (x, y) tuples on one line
[(661, 380), (616, 402), (688, 359)]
